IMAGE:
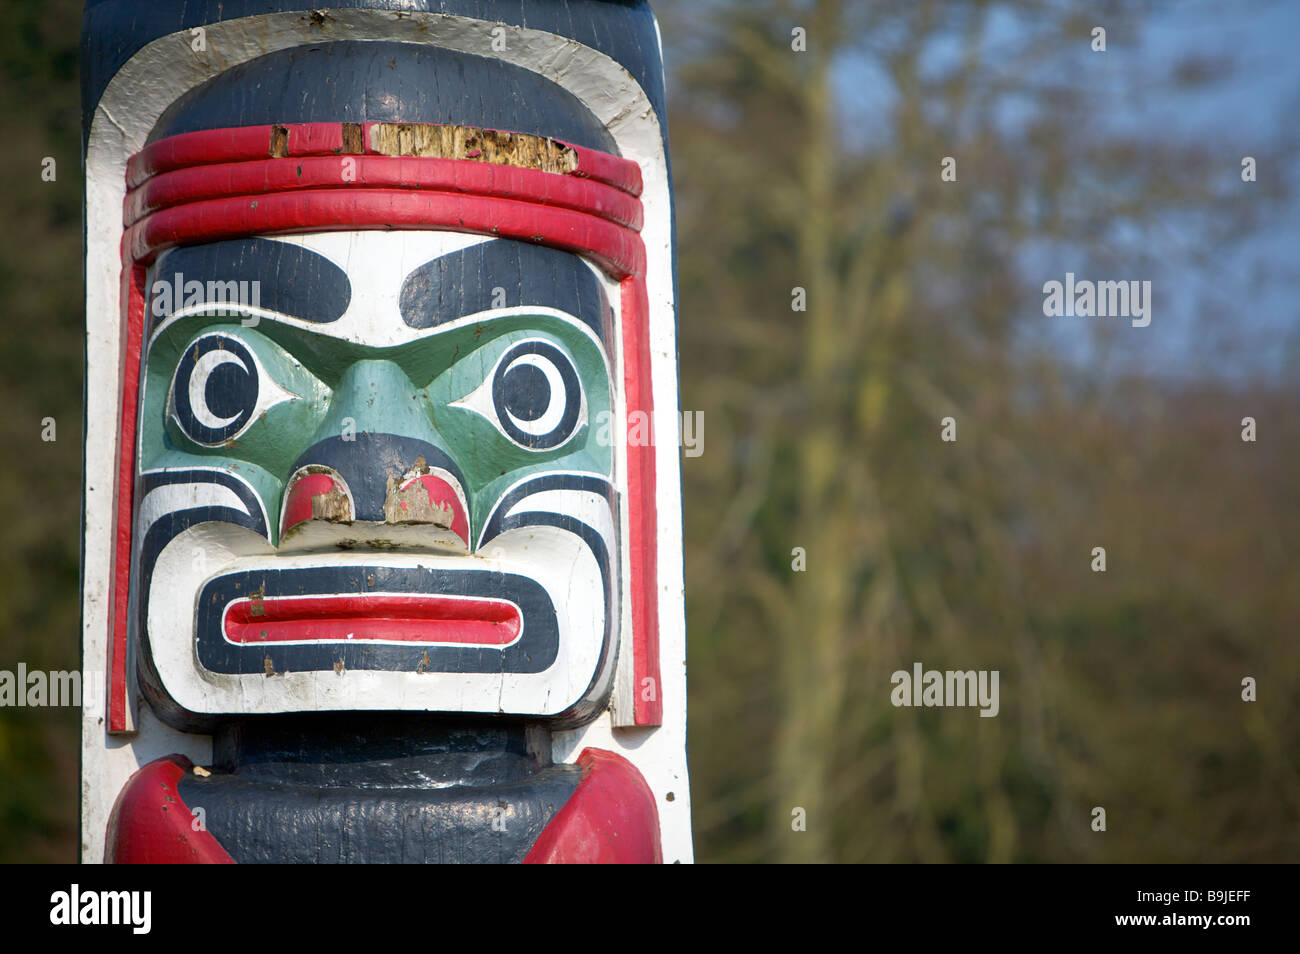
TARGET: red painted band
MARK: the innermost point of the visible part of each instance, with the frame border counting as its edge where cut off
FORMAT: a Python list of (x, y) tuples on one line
[(255, 178), (208, 146), (424, 618), (243, 143), (622, 174), (616, 249)]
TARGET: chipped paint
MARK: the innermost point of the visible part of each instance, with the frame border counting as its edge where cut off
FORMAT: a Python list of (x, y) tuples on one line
[(472, 142)]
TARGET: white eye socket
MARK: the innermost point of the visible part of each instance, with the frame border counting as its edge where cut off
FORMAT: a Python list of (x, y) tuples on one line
[(215, 389), (537, 396)]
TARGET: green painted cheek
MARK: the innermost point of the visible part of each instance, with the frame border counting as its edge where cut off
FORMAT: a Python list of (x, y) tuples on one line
[(490, 461), (266, 449)]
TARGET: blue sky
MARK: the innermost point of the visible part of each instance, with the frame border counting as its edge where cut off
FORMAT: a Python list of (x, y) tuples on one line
[(1227, 311)]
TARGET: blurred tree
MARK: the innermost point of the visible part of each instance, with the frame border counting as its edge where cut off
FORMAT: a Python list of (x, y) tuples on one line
[(824, 433), (40, 377)]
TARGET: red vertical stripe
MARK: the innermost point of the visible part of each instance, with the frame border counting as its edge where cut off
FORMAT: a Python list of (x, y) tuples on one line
[(642, 512), (133, 279)]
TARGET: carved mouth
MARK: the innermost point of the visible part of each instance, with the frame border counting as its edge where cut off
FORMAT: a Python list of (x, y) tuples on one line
[(434, 620), (297, 619)]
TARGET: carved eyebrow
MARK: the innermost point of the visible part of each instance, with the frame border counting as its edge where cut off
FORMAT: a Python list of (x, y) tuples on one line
[(291, 280), (504, 273)]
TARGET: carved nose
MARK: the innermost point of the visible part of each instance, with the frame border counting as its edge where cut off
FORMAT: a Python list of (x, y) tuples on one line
[(379, 478)]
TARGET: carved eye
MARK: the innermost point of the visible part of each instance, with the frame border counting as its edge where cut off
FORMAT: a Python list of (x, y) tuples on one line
[(214, 392), (537, 395)]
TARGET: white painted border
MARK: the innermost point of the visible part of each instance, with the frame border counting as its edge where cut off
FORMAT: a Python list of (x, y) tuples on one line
[(379, 640), (128, 109)]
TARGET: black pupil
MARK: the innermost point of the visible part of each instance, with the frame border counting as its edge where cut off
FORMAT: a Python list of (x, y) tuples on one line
[(228, 390), (527, 393)]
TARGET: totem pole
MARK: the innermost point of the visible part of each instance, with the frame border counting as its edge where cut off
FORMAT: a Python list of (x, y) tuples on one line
[(382, 552)]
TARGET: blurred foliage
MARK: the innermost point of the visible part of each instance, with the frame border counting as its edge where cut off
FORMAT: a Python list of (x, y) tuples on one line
[(1119, 689), (40, 376)]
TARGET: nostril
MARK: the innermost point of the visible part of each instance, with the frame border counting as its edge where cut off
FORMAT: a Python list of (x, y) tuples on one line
[(425, 495), (315, 492)]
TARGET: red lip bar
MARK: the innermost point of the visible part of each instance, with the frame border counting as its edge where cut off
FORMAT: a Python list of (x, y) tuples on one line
[(441, 620)]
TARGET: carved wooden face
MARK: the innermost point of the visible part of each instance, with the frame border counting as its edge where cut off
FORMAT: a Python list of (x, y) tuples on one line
[(376, 470), (415, 465)]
